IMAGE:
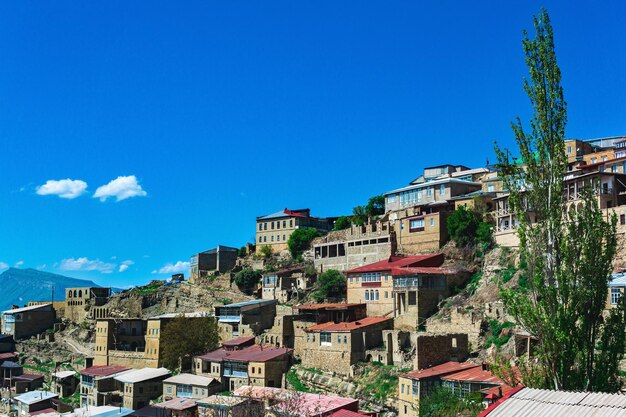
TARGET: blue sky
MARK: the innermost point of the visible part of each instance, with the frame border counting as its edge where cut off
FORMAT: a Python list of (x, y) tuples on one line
[(199, 116)]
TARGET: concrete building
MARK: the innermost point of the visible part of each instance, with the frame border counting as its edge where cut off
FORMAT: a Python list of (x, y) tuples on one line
[(190, 386), (220, 259), (98, 386), (79, 301), (134, 343), (36, 401), (335, 347), (353, 247), (240, 364), (248, 318), (64, 383), (22, 323), (274, 229), (140, 386), (407, 288)]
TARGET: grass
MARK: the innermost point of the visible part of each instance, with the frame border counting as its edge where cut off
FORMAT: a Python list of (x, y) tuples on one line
[(294, 381), (507, 274), (379, 382), (148, 289), (474, 282), (495, 327)]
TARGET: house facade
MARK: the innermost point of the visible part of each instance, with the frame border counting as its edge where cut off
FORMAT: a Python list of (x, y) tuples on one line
[(274, 229), (22, 323), (79, 301), (219, 259), (98, 386), (140, 386), (248, 318), (190, 386)]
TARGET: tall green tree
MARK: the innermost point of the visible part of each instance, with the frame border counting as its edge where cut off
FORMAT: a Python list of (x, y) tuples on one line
[(182, 338), (332, 285), (569, 253), (300, 240)]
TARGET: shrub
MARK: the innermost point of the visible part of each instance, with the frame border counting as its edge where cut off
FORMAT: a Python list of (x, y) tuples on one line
[(247, 279), (266, 251), (342, 223), (184, 338), (332, 284), (300, 240), (465, 227), (242, 252)]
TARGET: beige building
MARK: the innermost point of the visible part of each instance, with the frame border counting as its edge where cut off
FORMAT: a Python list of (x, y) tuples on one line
[(79, 301), (335, 347), (134, 343), (22, 323), (274, 229), (98, 386), (140, 386), (190, 386), (284, 285), (248, 318)]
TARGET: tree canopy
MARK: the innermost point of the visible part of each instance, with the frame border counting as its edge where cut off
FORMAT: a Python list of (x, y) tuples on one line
[(466, 227), (182, 338), (332, 285), (247, 279), (300, 240)]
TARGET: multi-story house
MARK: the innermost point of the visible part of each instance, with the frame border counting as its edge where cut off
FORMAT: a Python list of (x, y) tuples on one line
[(22, 323), (407, 288), (285, 284), (190, 386), (248, 318), (245, 364), (336, 347), (64, 383), (134, 343), (140, 386), (98, 386), (418, 211), (79, 301), (34, 402), (219, 259), (355, 246), (274, 229)]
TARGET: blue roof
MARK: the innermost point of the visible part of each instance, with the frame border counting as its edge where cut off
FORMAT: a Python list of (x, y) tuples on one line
[(118, 412), (276, 215), (249, 303), (35, 397), (618, 279)]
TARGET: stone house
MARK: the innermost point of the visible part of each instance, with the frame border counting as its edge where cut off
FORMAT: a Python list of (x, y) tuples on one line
[(79, 301), (190, 386), (64, 383), (407, 288), (140, 386), (245, 364), (134, 343), (32, 402), (248, 318), (353, 247), (98, 386), (22, 323), (274, 229), (417, 384), (177, 407), (220, 259), (27, 382), (229, 406), (335, 347), (284, 285)]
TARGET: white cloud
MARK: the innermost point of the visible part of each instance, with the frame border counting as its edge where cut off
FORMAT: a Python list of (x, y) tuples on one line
[(85, 264), (124, 265), (41, 267), (121, 188), (66, 188), (170, 268), (18, 264), (3, 266)]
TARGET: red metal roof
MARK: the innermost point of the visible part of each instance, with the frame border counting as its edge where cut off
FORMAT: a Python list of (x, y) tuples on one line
[(253, 353), (347, 326), (497, 392), (348, 413), (177, 404), (420, 270), (477, 374), (103, 370), (44, 411), (328, 306), (293, 213), (238, 341), (439, 370), (430, 260), (7, 356)]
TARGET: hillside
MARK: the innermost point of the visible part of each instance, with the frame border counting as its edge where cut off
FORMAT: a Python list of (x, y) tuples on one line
[(22, 285)]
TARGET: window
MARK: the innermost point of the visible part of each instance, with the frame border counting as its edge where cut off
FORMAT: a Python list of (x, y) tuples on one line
[(278, 224), (377, 295), (371, 277), (391, 199), (338, 338), (367, 295), (260, 226), (416, 225), (291, 223), (264, 238), (284, 224), (442, 189), (272, 236), (386, 294), (345, 339), (613, 168), (432, 221), (429, 191), (272, 225), (491, 188), (594, 160), (284, 237), (352, 278), (622, 219), (265, 226), (419, 195), (616, 294), (604, 158), (325, 338), (569, 149)]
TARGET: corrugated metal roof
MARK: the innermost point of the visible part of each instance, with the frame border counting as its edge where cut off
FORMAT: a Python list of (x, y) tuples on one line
[(63, 374), (190, 379), (431, 260), (443, 369), (22, 309), (250, 303), (103, 370), (431, 184), (477, 374), (178, 404), (618, 279), (254, 353), (547, 403), (328, 306), (35, 397), (140, 375), (194, 314), (347, 326)]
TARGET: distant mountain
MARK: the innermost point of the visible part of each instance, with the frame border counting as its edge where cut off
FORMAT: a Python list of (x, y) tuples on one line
[(19, 286)]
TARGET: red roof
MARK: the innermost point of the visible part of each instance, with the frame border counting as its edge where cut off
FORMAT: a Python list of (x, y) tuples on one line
[(293, 213), (178, 404), (253, 353), (28, 377), (347, 326), (8, 355), (239, 341), (477, 374), (328, 306), (431, 260), (420, 270), (44, 411), (497, 392), (439, 370), (103, 370), (348, 413)]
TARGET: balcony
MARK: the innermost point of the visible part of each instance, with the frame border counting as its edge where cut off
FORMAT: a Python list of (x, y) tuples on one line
[(229, 319), (235, 374)]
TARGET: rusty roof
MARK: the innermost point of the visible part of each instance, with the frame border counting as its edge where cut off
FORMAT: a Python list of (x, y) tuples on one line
[(328, 306), (475, 374), (253, 353), (429, 260), (103, 370), (239, 341), (439, 370), (347, 326)]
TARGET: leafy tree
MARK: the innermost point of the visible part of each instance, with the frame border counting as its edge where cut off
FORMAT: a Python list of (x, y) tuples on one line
[(182, 338), (466, 227), (568, 254), (332, 284), (443, 403), (266, 251), (300, 240), (359, 215), (247, 279), (342, 223), (375, 206), (242, 252)]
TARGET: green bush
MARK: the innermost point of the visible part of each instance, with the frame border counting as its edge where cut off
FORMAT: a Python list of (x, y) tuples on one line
[(466, 227), (495, 328), (300, 240), (247, 279), (342, 223), (332, 284)]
